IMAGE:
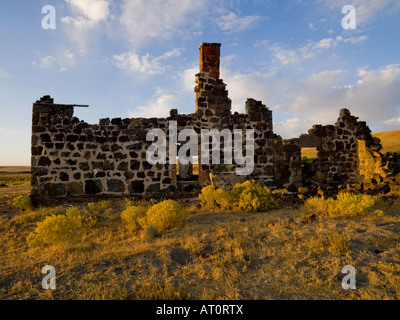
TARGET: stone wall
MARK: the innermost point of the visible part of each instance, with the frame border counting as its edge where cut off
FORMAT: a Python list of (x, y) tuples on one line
[(73, 158), (338, 153), (287, 164), (379, 171)]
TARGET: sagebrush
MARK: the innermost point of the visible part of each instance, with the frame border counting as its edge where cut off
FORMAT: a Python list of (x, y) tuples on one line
[(154, 219), (247, 196), (345, 205), (62, 228)]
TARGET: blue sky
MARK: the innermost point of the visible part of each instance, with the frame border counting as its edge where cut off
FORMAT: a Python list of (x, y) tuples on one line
[(137, 58)]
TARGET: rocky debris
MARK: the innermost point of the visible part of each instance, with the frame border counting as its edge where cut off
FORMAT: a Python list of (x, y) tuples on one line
[(180, 255), (308, 218)]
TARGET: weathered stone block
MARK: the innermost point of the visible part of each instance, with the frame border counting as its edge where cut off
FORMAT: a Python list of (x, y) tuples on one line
[(93, 186), (75, 188), (115, 186), (44, 162), (123, 166), (55, 190), (84, 166), (129, 175), (309, 141), (136, 187), (108, 166), (135, 165), (153, 188), (64, 176)]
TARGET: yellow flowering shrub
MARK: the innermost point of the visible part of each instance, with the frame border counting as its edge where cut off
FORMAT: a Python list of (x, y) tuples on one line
[(247, 196), (213, 199), (224, 199), (315, 205), (61, 228), (22, 202), (55, 229), (350, 205), (133, 217), (253, 197), (82, 216), (345, 205), (97, 207), (164, 215), (207, 197)]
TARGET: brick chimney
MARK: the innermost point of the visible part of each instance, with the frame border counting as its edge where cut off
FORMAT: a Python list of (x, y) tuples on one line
[(209, 59)]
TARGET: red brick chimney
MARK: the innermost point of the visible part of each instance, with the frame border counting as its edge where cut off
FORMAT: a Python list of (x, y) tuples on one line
[(209, 59)]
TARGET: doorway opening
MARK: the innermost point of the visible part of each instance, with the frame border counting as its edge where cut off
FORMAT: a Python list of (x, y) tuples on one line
[(188, 172)]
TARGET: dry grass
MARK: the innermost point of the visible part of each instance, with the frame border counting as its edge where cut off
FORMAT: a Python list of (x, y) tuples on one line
[(11, 176), (390, 140), (224, 255), (310, 153)]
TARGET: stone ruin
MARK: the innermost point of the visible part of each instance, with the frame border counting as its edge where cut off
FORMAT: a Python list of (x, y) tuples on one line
[(74, 159)]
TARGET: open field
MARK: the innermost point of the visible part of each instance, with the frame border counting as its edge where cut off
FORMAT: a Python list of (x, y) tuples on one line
[(15, 170), (10, 176), (210, 255), (390, 141)]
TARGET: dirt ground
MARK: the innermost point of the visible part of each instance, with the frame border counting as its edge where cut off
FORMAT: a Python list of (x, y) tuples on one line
[(213, 256)]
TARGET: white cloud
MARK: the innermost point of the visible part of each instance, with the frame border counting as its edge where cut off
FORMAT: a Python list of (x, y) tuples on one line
[(285, 56), (309, 50), (244, 86), (62, 60), (293, 127), (145, 20), (88, 14), (228, 60), (188, 77), (391, 124), (367, 11), (133, 62), (232, 23), (261, 43), (374, 98), (47, 62), (93, 10), (159, 106)]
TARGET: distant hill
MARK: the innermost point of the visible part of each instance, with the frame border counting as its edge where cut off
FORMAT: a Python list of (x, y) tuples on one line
[(390, 141), (15, 170)]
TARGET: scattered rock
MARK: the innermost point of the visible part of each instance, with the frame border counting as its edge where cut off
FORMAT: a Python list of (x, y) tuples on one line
[(309, 218), (208, 250), (180, 255)]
